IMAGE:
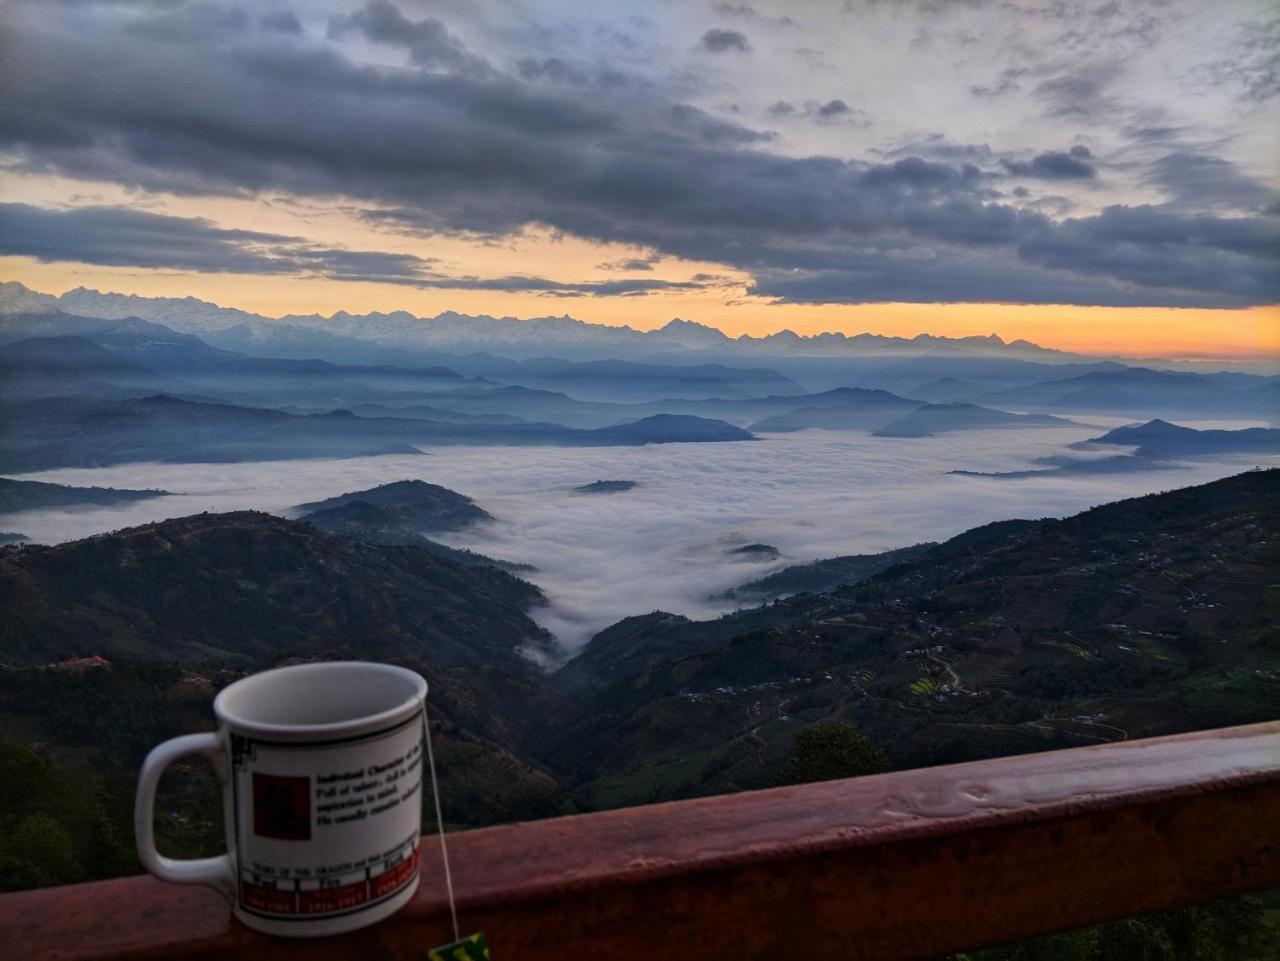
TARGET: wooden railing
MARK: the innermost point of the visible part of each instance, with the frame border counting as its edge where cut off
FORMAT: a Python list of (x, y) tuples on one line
[(905, 865)]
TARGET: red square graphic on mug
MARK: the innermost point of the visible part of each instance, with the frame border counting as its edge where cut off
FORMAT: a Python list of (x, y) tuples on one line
[(282, 807)]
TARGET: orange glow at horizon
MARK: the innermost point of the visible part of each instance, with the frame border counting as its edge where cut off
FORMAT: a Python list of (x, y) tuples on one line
[(1240, 334), (1244, 334)]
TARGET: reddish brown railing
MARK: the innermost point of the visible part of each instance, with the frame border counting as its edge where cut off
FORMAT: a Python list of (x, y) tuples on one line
[(905, 865)]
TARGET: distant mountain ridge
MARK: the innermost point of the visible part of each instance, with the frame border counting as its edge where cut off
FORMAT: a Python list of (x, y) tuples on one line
[(47, 433), (453, 331)]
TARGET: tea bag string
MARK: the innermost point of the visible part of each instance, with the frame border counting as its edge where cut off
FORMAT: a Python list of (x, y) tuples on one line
[(444, 845)]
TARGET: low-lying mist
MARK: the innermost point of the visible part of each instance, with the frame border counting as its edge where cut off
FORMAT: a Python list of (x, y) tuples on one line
[(666, 544)]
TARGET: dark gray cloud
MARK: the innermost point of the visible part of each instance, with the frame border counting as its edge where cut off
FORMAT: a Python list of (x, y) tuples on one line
[(834, 111), (281, 21), (457, 149), (744, 11), (122, 237), (191, 22), (717, 40), (1151, 246), (541, 285), (554, 70), (1081, 91), (1005, 82), (711, 129), (1199, 181), (630, 264), (1071, 164), (429, 42)]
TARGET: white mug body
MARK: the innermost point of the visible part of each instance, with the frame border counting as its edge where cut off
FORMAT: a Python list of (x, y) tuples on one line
[(323, 775)]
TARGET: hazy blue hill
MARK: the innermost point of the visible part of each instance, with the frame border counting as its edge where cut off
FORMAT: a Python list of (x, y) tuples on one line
[(533, 404), (146, 356), (947, 390), (861, 397), (12, 537), (940, 418), (21, 325), (425, 412), (826, 418), (1158, 445), (844, 408), (163, 350), (822, 575), (202, 366), (426, 508), (632, 381), (746, 412), (20, 495), (963, 365), (249, 585), (66, 365), (68, 432), (1160, 438), (1136, 390), (671, 428)]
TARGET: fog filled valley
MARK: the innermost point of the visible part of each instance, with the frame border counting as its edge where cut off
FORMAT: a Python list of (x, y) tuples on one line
[(671, 542), (632, 566)]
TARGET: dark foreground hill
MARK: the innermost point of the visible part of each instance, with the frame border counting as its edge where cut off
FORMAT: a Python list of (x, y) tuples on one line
[(245, 586), (413, 504), (1143, 617), (183, 607), (403, 512), (822, 575)]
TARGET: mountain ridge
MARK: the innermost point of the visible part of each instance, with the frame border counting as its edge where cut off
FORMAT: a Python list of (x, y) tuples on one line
[(450, 329)]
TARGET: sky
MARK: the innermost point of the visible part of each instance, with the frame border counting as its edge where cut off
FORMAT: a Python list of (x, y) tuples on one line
[(1100, 175)]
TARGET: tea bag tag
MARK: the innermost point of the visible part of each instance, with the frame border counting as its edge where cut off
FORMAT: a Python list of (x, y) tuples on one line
[(474, 948)]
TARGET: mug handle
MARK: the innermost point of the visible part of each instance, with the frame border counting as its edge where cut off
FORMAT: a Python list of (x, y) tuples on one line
[(215, 871)]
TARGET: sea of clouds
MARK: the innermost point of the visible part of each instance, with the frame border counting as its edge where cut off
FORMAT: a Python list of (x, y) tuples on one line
[(668, 543)]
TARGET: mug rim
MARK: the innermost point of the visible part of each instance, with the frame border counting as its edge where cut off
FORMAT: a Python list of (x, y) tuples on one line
[(403, 709)]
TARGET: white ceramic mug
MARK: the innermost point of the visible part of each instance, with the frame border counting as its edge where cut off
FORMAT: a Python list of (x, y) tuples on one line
[(322, 773)]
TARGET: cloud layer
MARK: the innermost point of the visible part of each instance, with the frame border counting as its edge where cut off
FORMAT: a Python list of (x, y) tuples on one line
[(398, 115)]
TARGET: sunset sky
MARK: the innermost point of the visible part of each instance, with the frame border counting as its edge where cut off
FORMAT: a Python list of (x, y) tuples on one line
[(1101, 176)]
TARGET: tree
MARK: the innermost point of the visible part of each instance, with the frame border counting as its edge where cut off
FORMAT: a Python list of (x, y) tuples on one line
[(824, 752)]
